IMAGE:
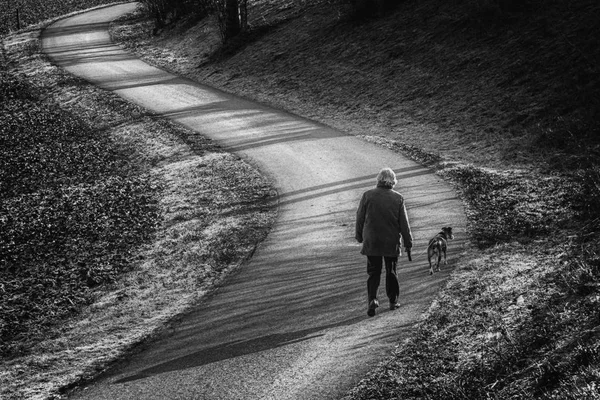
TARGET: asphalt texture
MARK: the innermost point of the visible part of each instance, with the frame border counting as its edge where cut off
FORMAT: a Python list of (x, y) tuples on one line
[(291, 323)]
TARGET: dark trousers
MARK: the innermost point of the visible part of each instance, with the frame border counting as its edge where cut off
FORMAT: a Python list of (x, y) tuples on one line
[(374, 266)]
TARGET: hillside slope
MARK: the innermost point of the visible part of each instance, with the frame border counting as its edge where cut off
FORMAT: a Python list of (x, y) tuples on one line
[(464, 81)]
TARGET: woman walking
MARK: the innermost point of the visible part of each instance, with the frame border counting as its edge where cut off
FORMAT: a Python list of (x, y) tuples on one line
[(381, 221)]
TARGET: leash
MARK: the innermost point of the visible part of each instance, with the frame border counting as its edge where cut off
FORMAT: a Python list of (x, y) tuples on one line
[(410, 258)]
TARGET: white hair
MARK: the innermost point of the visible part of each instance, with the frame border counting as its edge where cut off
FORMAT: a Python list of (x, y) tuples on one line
[(387, 178)]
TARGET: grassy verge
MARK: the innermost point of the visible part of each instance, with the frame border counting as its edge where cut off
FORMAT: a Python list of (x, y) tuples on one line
[(112, 222), (32, 12), (73, 207), (501, 104)]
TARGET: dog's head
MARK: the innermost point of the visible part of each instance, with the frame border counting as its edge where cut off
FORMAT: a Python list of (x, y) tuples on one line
[(448, 232)]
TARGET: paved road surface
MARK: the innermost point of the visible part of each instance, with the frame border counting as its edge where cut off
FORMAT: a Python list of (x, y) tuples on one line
[(291, 323)]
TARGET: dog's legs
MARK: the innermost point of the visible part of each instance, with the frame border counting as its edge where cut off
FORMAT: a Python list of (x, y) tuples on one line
[(439, 260), (445, 261), (430, 266)]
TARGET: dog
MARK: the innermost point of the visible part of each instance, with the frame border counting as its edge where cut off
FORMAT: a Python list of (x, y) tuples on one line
[(438, 246)]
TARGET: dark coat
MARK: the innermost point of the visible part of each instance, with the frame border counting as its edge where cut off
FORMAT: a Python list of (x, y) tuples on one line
[(380, 220)]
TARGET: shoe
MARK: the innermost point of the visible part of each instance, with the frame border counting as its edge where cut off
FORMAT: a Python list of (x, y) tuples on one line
[(373, 304), (393, 306)]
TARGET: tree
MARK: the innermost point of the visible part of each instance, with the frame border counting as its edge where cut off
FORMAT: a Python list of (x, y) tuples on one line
[(232, 13), (233, 17), (165, 12)]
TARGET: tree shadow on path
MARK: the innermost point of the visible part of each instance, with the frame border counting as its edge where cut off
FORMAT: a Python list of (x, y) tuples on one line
[(237, 348)]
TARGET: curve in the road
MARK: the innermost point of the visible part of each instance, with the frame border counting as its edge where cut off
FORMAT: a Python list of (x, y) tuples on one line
[(291, 323)]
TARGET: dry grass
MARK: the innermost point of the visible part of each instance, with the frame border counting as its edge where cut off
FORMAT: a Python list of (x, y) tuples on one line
[(32, 12)]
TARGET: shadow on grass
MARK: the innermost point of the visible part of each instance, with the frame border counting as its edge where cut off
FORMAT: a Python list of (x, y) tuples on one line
[(238, 43)]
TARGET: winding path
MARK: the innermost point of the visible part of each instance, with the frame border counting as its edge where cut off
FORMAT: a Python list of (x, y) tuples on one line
[(291, 323)]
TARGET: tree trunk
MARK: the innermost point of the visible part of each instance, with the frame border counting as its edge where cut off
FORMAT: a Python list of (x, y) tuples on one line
[(232, 18), (243, 14)]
